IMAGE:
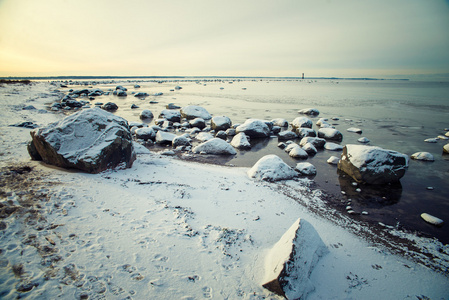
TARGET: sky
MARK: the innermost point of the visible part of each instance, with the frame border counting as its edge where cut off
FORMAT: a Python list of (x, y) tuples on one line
[(324, 38)]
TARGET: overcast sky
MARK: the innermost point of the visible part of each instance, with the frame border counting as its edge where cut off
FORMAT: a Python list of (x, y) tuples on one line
[(234, 37)]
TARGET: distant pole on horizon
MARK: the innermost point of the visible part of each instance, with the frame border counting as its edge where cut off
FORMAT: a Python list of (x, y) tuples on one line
[(302, 75)]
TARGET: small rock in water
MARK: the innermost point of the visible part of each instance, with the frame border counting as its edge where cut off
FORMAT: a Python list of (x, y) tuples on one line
[(431, 140), (426, 156), (446, 148), (364, 213), (354, 129), (363, 140), (333, 160), (358, 190), (442, 137), (430, 188), (432, 220)]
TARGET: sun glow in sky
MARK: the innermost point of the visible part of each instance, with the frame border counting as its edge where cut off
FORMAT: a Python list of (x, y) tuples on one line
[(234, 38)]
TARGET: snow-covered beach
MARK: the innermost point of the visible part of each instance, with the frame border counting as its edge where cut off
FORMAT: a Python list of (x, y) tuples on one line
[(169, 229)]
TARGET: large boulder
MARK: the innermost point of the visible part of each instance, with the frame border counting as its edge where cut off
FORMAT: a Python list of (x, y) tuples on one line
[(91, 140), (292, 259), (271, 168), (220, 123), (254, 128), (192, 111), (372, 165), (215, 146)]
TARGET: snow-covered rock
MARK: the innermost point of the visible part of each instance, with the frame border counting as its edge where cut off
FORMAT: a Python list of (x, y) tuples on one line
[(170, 115), (431, 140), (363, 140), (164, 138), (330, 134), (204, 136), (290, 262), (310, 148), (215, 146), (280, 122), (305, 132), (333, 160), (333, 147), (322, 122), (432, 219), (306, 169), (354, 129), (309, 111), (192, 111), (240, 141), (446, 148), (297, 152), (146, 114), (301, 122), (220, 123), (316, 142), (422, 156), (198, 123), (287, 135), (145, 133), (271, 168), (181, 140), (254, 128), (373, 165), (91, 140)]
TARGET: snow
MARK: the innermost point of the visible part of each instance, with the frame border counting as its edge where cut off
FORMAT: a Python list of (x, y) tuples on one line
[(169, 229)]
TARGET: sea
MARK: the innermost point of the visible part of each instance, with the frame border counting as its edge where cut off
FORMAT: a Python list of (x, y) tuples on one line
[(397, 115)]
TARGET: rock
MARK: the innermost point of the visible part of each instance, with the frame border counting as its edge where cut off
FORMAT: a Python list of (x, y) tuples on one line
[(231, 132), (276, 129), (431, 140), (305, 132), (306, 169), (134, 106), (290, 262), (254, 128), (297, 152), (280, 122), (221, 135), (172, 106), (110, 106), (333, 160), (91, 140), (191, 112), (146, 114), (204, 136), (29, 125), (354, 129), (330, 134), (363, 140), (170, 115), (316, 142), (309, 111), (215, 146), (119, 87), (271, 168), (29, 107), (73, 103), (220, 123), (446, 148), (422, 156), (442, 137), (141, 95), (310, 149), (432, 220), (178, 87), (240, 141), (333, 147), (121, 93), (198, 123), (168, 153), (322, 122), (301, 122), (287, 135), (145, 133), (181, 140), (373, 165), (164, 138), (136, 86)]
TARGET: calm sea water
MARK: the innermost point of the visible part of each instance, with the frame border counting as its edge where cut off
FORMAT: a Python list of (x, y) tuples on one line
[(396, 115)]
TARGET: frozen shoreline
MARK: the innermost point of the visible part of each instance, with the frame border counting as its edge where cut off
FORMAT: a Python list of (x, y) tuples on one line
[(166, 228)]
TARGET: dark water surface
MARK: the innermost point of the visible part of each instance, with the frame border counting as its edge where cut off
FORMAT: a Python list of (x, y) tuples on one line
[(396, 115)]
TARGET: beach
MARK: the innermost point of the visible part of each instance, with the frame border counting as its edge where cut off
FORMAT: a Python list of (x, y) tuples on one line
[(170, 228)]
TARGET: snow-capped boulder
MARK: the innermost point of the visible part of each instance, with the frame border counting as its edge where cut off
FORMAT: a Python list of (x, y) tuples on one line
[(181, 140), (422, 156), (354, 129), (333, 160), (220, 123), (373, 165), (240, 141), (271, 168), (280, 122), (431, 140), (297, 152), (198, 123), (310, 149), (446, 148), (164, 138), (330, 134), (91, 140), (322, 122), (290, 262), (204, 136), (145, 133), (287, 135), (290, 147), (333, 147), (301, 122), (215, 146), (432, 219), (306, 169), (192, 111), (304, 132), (254, 128), (146, 114), (309, 111), (316, 142), (221, 135), (170, 115)]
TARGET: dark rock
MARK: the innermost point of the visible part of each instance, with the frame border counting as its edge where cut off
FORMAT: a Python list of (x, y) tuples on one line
[(110, 106)]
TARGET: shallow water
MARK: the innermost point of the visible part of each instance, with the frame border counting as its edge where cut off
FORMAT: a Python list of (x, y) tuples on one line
[(396, 115)]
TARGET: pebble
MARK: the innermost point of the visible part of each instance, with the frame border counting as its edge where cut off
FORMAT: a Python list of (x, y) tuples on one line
[(358, 190), (430, 188), (432, 219), (364, 212)]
